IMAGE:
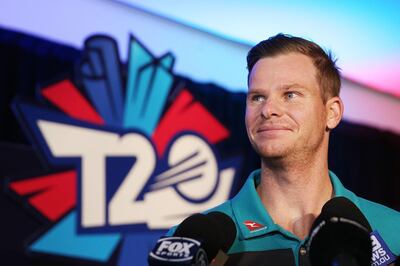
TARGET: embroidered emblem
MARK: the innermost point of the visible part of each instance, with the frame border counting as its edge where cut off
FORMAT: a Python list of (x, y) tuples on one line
[(254, 226)]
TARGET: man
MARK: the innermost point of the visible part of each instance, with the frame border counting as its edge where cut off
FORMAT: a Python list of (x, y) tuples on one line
[(293, 104)]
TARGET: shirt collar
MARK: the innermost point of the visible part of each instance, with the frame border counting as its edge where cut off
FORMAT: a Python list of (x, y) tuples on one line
[(247, 208), (341, 191), (254, 220)]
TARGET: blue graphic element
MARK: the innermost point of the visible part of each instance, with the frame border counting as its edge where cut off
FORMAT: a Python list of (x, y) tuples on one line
[(117, 169), (158, 92), (138, 56), (148, 84), (100, 71), (63, 239), (167, 61), (136, 247)]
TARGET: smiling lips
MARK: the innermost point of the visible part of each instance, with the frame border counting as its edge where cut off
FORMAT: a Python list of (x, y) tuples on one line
[(272, 128)]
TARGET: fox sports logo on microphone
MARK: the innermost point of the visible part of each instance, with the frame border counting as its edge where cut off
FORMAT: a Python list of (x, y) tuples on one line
[(137, 154), (178, 250)]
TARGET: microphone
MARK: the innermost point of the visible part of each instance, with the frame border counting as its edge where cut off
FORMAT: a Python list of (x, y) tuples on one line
[(170, 251), (340, 236), (196, 241)]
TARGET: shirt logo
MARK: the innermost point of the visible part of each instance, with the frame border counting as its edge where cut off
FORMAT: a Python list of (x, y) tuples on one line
[(381, 254), (254, 226)]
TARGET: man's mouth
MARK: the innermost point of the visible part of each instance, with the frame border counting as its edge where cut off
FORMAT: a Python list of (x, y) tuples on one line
[(272, 128)]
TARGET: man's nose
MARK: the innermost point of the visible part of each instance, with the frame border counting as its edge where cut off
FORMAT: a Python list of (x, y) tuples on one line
[(270, 108)]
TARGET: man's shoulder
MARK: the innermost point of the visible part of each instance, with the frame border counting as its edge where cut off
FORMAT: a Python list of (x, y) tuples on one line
[(224, 207), (377, 211), (383, 220)]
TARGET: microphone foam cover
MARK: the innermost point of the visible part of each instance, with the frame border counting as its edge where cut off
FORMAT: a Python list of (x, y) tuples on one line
[(214, 230), (340, 230), (227, 229)]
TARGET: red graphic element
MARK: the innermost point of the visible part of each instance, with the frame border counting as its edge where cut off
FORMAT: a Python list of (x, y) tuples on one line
[(188, 114), (66, 96), (52, 195), (251, 225)]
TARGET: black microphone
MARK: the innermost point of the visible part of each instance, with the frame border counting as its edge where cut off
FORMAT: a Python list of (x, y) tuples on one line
[(196, 241), (340, 236)]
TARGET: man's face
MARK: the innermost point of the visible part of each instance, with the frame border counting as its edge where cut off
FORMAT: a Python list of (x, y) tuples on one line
[(285, 113)]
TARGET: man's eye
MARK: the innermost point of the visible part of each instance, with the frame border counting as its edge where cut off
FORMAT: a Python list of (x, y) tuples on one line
[(257, 98), (291, 95)]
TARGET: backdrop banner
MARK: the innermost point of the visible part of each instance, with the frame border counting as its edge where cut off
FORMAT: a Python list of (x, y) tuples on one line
[(100, 157)]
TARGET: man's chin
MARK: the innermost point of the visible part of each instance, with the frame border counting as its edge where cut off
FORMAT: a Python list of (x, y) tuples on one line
[(272, 154)]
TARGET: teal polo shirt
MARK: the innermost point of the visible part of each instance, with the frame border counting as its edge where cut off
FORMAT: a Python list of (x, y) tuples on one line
[(259, 241)]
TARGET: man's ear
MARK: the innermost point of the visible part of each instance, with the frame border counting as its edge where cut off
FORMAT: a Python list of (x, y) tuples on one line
[(334, 111)]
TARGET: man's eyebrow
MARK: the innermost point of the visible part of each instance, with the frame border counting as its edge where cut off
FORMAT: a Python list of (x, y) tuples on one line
[(291, 85), (282, 87), (254, 91)]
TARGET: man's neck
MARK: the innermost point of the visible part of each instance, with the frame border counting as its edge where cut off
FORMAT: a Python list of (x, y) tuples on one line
[(294, 193)]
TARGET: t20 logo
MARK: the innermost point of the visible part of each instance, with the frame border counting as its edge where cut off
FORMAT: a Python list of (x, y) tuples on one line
[(141, 158)]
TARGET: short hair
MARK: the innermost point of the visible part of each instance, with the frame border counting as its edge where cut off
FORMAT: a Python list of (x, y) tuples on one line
[(328, 74)]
